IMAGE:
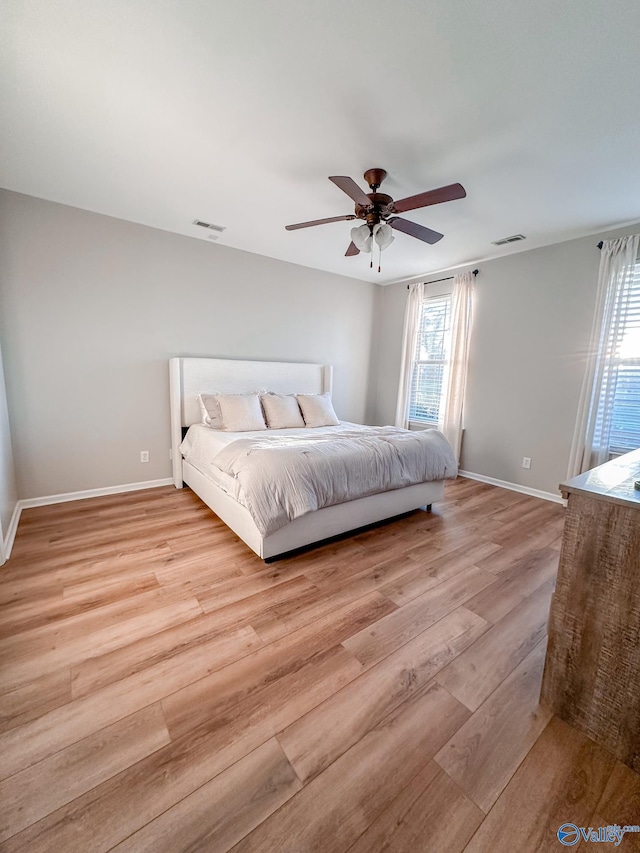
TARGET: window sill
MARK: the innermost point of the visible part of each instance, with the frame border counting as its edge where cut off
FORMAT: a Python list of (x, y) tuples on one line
[(419, 425)]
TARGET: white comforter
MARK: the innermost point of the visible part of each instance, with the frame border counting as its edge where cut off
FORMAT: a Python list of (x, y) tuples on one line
[(288, 473)]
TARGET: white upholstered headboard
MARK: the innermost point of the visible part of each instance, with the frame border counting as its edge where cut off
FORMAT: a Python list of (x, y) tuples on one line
[(189, 377)]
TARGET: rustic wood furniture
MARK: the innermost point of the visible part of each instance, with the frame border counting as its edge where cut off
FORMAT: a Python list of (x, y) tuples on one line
[(592, 670)]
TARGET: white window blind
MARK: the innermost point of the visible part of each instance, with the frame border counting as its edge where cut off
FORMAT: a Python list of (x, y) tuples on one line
[(623, 374), (431, 359)]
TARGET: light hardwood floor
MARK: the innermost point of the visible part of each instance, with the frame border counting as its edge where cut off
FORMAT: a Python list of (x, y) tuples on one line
[(162, 689)]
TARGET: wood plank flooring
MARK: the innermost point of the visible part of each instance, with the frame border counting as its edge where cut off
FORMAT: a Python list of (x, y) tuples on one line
[(162, 689)]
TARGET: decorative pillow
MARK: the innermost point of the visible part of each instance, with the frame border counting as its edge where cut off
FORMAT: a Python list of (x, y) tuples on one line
[(241, 412), (317, 410), (210, 410), (210, 414), (281, 411)]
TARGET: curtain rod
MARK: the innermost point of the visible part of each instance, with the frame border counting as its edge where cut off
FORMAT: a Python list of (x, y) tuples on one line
[(448, 278), (600, 244)]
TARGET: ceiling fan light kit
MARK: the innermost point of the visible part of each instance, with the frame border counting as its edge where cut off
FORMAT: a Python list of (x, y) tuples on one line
[(361, 236), (364, 235), (383, 235), (378, 212)]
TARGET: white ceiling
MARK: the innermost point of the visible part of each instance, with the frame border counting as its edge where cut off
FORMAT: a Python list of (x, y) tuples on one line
[(235, 112)]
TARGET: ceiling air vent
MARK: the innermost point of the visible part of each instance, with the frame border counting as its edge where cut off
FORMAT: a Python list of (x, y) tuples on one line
[(513, 239), (218, 228)]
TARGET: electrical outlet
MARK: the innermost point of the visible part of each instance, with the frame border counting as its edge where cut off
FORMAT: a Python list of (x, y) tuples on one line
[(144, 455), (526, 462)]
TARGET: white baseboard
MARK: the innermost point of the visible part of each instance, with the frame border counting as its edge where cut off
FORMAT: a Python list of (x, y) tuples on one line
[(47, 500), (514, 487), (11, 531), (93, 493)]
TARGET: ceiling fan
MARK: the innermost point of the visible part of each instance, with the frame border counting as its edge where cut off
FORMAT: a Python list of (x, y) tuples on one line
[(379, 210)]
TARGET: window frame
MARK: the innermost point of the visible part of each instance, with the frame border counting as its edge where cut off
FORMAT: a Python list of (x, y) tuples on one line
[(615, 450), (425, 423)]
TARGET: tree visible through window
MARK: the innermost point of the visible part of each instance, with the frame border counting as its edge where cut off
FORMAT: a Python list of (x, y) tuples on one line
[(431, 359)]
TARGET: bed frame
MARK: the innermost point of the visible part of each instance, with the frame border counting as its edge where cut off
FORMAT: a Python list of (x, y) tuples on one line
[(192, 376)]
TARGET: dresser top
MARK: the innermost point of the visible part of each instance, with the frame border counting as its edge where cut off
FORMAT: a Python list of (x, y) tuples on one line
[(612, 481)]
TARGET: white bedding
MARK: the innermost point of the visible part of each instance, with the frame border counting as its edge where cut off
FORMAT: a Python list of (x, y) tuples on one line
[(284, 474), (201, 444)]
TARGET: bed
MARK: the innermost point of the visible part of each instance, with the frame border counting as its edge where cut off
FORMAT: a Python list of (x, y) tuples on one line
[(192, 376)]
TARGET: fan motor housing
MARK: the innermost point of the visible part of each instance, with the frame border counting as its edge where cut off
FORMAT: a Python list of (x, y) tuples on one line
[(380, 203)]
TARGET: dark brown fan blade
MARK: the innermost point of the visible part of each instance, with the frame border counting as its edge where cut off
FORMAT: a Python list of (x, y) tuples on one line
[(319, 222), (448, 193), (349, 186), (415, 230), (352, 250)]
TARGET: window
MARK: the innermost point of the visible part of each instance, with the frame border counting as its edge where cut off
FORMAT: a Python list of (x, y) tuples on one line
[(621, 386), (431, 360)]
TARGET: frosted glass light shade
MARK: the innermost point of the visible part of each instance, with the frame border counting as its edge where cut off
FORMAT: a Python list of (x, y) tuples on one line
[(361, 236), (384, 236)]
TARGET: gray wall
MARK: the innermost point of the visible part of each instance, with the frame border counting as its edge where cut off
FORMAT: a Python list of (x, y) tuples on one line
[(91, 309), (531, 328), (8, 491)]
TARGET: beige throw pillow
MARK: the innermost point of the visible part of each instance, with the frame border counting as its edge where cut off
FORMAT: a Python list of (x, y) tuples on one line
[(317, 410), (210, 410), (241, 412), (281, 411)]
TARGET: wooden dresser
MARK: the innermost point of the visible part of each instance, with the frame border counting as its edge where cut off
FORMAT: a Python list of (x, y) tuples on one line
[(592, 670)]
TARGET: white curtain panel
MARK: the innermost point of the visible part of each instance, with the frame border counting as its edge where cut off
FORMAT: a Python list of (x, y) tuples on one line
[(409, 341), (451, 417), (590, 445)]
